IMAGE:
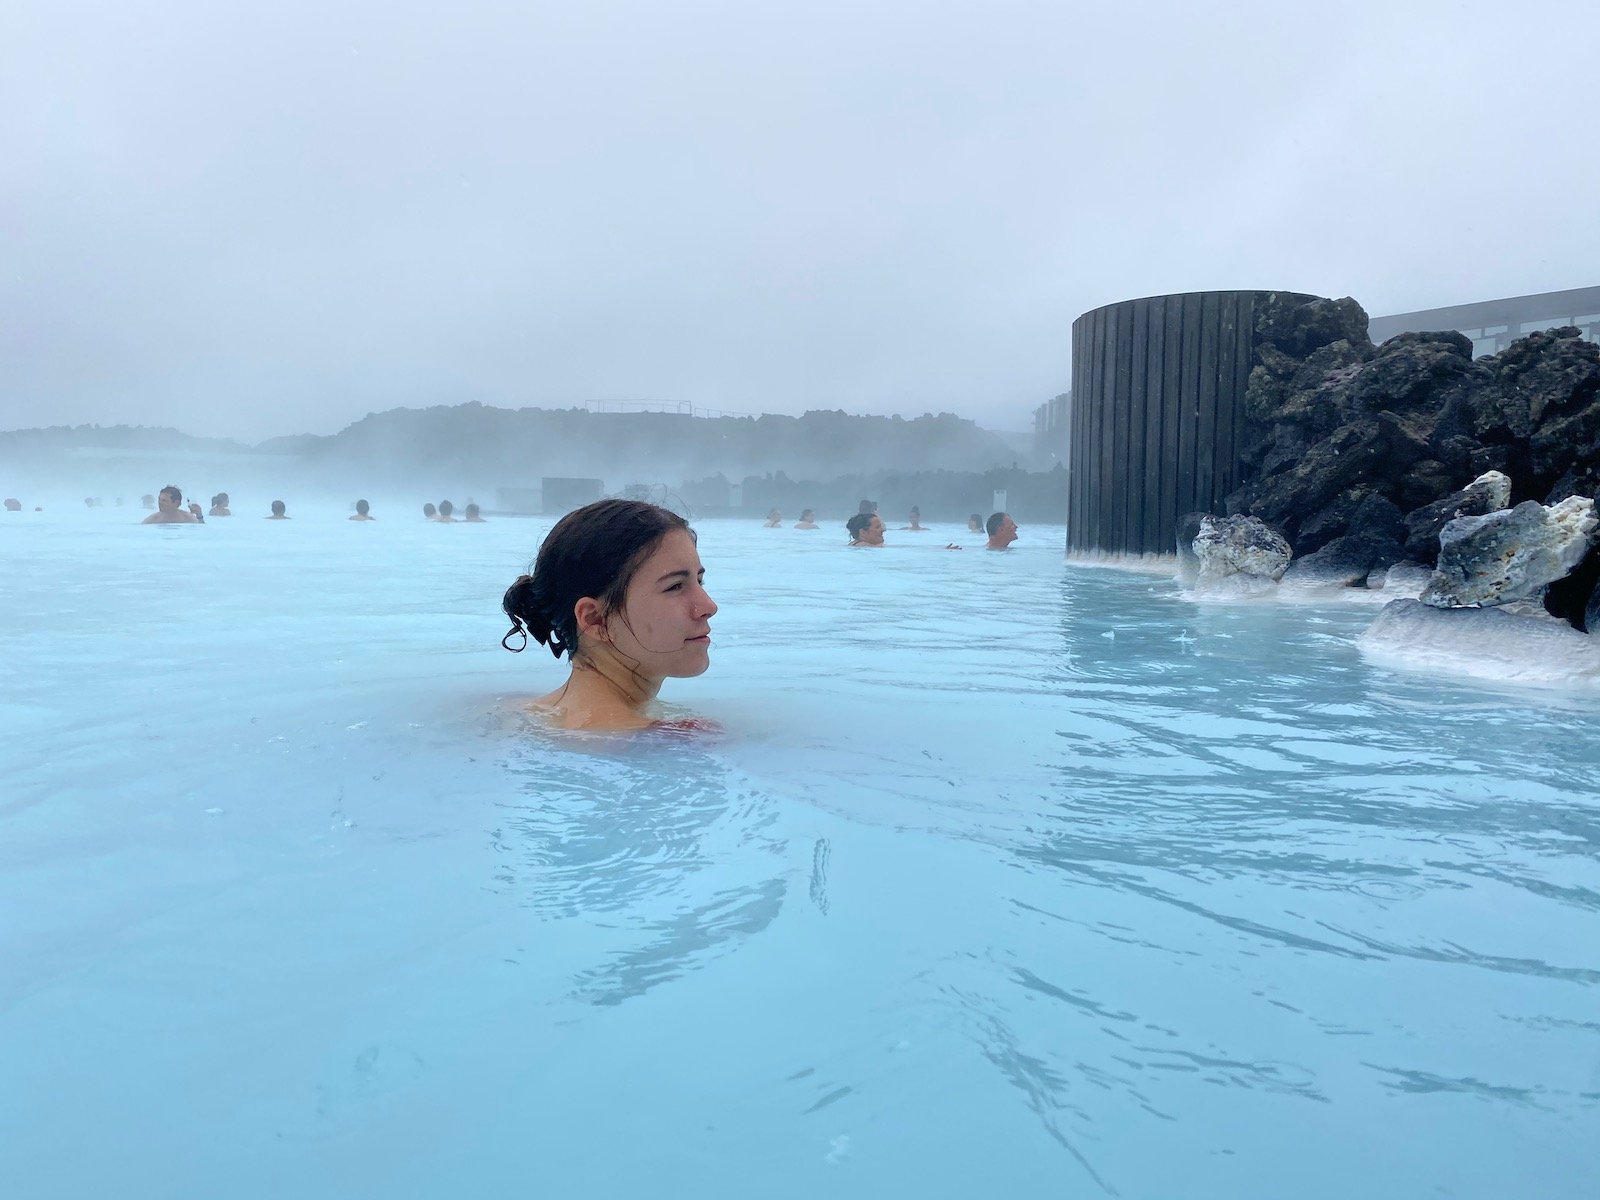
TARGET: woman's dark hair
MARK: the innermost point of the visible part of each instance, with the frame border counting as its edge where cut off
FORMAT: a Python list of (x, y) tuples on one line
[(592, 551), (856, 524)]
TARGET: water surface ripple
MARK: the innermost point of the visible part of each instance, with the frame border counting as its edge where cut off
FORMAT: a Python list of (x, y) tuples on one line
[(1004, 878)]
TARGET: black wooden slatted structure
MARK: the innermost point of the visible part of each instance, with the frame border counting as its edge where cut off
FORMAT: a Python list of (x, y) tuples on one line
[(1158, 390)]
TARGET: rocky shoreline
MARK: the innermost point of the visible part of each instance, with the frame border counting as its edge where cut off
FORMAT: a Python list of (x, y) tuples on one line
[(1459, 492)]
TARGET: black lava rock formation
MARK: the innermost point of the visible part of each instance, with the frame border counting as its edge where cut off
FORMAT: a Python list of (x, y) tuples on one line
[(1334, 425)]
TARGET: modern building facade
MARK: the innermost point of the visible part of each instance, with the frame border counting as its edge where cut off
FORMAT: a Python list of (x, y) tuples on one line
[(1050, 427), (1495, 324), (1156, 415)]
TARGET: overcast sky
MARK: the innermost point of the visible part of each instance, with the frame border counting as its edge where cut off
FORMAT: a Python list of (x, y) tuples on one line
[(258, 219)]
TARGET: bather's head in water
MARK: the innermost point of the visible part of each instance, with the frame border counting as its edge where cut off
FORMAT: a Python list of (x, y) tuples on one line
[(474, 515), (169, 509), (1002, 531), (447, 512), (219, 506), (280, 511), (975, 524), (619, 590), (865, 529), (429, 512), (363, 511), (808, 520)]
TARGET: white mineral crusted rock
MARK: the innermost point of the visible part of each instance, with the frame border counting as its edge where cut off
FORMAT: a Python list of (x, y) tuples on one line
[(1484, 643), (1403, 581), (1510, 555), (1239, 556), (1496, 486)]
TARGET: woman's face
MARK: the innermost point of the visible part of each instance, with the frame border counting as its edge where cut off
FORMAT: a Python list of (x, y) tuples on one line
[(665, 621), (872, 532)]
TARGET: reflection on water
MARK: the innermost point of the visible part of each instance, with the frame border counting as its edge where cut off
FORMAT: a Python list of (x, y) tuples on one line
[(649, 835)]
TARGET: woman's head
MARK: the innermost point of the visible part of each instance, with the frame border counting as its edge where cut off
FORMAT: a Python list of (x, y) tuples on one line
[(865, 529), (808, 515), (622, 574)]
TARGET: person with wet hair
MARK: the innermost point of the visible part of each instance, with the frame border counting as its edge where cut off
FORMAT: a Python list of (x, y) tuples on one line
[(363, 512), (1002, 531), (446, 513), (474, 515), (975, 523), (774, 520), (219, 506), (808, 519), (619, 590), (430, 513), (170, 510), (916, 525), (865, 529), (280, 511)]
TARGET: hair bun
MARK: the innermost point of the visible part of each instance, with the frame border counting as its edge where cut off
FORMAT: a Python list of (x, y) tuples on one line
[(527, 604)]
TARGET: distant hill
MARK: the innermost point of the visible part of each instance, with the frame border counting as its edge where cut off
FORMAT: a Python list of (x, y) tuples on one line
[(513, 445), (71, 440), (479, 447)]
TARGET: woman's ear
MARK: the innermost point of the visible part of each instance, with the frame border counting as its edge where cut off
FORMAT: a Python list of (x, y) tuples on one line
[(591, 619)]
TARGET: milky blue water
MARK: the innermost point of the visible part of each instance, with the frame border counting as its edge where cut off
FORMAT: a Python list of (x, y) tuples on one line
[(1006, 878)]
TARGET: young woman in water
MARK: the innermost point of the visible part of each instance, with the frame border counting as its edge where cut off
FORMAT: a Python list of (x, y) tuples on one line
[(774, 520), (808, 520), (618, 588)]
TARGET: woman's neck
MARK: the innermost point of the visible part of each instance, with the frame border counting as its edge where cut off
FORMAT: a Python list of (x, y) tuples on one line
[(603, 692)]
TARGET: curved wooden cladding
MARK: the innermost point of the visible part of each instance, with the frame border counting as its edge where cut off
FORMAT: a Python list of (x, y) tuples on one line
[(1157, 393)]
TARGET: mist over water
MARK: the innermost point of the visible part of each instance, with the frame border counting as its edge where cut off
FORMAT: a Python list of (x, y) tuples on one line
[(1000, 875)]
